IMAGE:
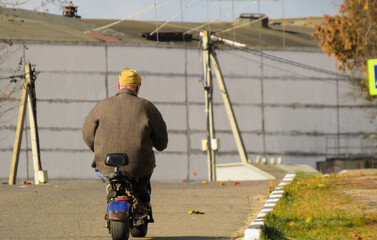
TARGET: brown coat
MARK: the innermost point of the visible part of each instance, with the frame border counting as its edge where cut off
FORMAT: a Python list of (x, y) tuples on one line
[(128, 124)]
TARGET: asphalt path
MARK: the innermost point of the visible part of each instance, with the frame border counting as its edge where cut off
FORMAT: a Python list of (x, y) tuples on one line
[(74, 209)]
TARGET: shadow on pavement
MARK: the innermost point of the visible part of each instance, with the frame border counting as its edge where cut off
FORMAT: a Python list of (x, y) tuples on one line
[(187, 238)]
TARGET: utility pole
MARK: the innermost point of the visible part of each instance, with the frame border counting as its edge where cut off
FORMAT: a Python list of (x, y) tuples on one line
[(211, 144), (28, 98), (208, 87)]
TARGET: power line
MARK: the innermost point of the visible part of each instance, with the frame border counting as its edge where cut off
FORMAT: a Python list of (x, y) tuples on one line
[(293, 63), (145, 10), (283, 69), (261, 53), (12, 77), (174, 16), (219, 19)]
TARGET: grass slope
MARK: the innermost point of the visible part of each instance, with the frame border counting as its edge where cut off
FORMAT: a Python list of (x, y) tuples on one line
[(250, 33), (29, 25), (18, 24), (324, 208)]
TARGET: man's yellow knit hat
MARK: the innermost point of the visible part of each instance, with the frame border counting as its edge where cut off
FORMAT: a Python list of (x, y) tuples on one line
[(129, 76)]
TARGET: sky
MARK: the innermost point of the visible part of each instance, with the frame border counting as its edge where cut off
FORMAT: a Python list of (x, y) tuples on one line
[(193, 10)]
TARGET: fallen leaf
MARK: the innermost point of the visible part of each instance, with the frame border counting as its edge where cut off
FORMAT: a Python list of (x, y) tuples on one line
[(271, 183), (4, 94), (237, 184), (195, 212), (205, 182), (222, 184), (184, 180), (246, 196), (195, 174)]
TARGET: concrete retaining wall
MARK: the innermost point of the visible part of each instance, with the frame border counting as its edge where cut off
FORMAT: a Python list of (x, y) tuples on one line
[(282, 110)]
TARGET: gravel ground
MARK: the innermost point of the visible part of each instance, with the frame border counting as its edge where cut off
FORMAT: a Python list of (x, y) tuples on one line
[(74, 209)]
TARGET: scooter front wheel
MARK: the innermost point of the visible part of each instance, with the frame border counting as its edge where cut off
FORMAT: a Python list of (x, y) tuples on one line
[(119, 230)]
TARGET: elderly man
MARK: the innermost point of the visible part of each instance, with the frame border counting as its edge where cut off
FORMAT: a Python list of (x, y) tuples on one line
[(128, 124)]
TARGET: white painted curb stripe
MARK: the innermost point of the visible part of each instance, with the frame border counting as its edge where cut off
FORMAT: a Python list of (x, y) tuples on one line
[(254, 230)]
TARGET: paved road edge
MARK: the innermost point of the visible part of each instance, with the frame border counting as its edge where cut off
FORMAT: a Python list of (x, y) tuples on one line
[(254, 230)]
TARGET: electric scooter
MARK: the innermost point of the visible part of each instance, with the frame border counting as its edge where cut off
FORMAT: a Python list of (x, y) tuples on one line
[(123, 214)]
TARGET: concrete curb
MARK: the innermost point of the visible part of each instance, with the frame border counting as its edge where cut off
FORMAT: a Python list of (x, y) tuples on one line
[(255, 227)]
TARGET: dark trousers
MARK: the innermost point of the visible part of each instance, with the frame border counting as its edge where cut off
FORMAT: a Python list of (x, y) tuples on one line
[(141, 187)]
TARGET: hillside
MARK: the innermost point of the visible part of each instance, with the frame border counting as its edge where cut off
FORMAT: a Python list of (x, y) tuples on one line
[(250, 33), (18, 24)]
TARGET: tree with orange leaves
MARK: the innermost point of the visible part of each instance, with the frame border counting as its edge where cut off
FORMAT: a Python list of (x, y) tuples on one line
[(351, 36)]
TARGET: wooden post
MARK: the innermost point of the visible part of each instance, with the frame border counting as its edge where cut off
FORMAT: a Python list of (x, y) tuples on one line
[(34, 144), (209, 107), (26, 99), (229, 109), (17, 142)]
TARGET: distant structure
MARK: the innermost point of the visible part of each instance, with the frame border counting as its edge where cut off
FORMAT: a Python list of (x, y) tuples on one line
[(70, 10), (167, 36), (251, 17)]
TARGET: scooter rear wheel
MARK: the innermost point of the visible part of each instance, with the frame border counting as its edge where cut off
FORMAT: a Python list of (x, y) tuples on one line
[(119, 230), (140, 231)]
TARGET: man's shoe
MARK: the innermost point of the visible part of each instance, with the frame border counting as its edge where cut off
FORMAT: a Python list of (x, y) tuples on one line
[(141, 210)]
